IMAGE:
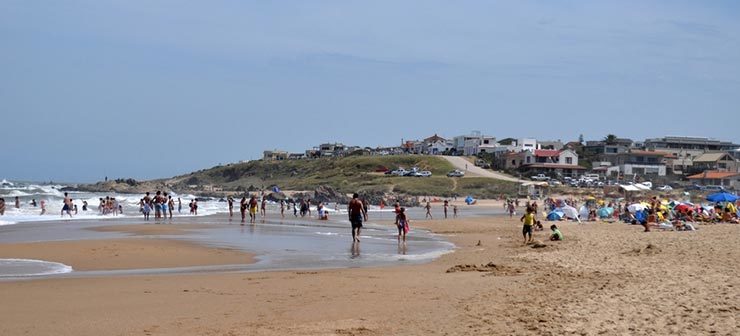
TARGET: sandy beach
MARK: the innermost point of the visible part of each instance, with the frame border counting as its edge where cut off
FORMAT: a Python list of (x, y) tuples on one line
[(604, 279)]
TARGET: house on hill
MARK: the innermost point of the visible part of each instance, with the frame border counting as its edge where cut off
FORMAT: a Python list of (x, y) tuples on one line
[(544, 161), (435, 145), (274, 155), (721, 161), (638, 162)]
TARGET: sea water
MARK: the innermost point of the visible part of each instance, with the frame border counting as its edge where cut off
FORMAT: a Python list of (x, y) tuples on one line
[(279, 243)]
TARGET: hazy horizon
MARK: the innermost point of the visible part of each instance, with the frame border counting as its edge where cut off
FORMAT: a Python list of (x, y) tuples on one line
[(152, 90)]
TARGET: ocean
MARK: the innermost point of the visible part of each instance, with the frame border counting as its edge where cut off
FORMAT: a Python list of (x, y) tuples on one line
[(289, 243)]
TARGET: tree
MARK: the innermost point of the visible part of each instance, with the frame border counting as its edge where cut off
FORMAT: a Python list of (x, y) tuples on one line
[(610, 139), (580, 138)]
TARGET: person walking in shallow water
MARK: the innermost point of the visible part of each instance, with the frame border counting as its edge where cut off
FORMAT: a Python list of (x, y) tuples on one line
[(243, 208), (429, 211), (357, 213)]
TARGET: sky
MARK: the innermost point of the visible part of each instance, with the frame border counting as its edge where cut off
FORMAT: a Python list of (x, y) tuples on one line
[(150, 89)]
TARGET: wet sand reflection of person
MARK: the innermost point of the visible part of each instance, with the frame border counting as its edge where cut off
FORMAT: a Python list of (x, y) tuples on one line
[(355, 250)]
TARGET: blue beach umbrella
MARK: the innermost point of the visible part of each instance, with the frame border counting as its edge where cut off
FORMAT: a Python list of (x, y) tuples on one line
[(722, 197)]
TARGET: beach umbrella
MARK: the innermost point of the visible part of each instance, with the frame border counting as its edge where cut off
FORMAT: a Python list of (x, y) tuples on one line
[(722, 197), (584, 211), (636, 207), (682, 207), (555, 215), (569, 211)]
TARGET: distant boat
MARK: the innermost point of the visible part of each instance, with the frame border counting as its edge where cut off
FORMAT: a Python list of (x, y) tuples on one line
[(5, 183)]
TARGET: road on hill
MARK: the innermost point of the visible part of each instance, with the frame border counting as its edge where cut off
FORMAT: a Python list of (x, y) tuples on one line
[(471, 170)]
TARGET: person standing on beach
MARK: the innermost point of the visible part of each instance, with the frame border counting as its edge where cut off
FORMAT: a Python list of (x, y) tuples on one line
[(17, 202), (282, 208), (429, 211), (454, 211), (179, 205), (170, 204), (308, 207), (263, 207), (195, 207), (146, 208), (67, 206), (165, 205), (402, 223), (356, 213), (243, 208), (365, 205), (528, 221), (447, 204), (253, 209), (230, 200)]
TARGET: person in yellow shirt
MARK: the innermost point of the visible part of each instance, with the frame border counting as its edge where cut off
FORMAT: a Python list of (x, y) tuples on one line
[(528, 220)]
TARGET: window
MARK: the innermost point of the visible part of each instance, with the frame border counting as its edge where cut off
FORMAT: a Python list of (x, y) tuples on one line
[(569, 160), (513, 162), (528, 159)]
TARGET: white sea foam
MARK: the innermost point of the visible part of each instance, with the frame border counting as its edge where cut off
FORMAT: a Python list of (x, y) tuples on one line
[(30, 267)]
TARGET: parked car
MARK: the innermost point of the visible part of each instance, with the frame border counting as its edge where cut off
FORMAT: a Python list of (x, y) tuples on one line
[(424, 173), (540, 177), (695, 187), (592, 177), (665, 188), (456, 173), (555, 182), (713, 188), (400, 172)]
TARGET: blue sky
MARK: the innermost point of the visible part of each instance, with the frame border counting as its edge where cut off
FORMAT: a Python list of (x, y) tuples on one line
[(150, 89)]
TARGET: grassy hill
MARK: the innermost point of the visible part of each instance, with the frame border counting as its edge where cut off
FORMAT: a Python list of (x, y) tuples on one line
[(349, 174)]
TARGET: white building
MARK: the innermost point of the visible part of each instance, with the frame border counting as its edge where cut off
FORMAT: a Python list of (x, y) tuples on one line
[(474, 144)]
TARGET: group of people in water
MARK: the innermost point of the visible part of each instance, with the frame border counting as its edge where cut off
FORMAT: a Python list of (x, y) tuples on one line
[(163, 205)]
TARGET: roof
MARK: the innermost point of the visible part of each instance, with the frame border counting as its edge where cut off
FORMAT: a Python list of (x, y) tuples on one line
[(434, 138), (710, 157), (711, 174), (546, 152), (553, 165), (648, 153), (634, 187)]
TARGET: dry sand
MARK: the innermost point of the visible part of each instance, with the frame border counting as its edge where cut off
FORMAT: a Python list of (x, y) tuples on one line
[(603, 279)]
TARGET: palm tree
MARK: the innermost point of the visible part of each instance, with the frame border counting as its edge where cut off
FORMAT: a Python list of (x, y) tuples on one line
[(610, 139)]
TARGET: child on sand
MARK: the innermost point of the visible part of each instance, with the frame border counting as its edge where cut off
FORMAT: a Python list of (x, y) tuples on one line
[(528, 220), (402, 223), (556, 234)]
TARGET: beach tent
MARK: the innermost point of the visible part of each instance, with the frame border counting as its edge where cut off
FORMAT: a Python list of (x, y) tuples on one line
[(636, 207), (469, 200), (605, 212), (570, 212), (722, 197), (555, 215)]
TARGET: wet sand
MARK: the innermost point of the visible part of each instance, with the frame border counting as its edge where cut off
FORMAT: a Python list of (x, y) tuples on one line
[(121, 254), (603, 279)]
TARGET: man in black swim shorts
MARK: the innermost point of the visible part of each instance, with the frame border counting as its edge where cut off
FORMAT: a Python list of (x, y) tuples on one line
[(357, 213)]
